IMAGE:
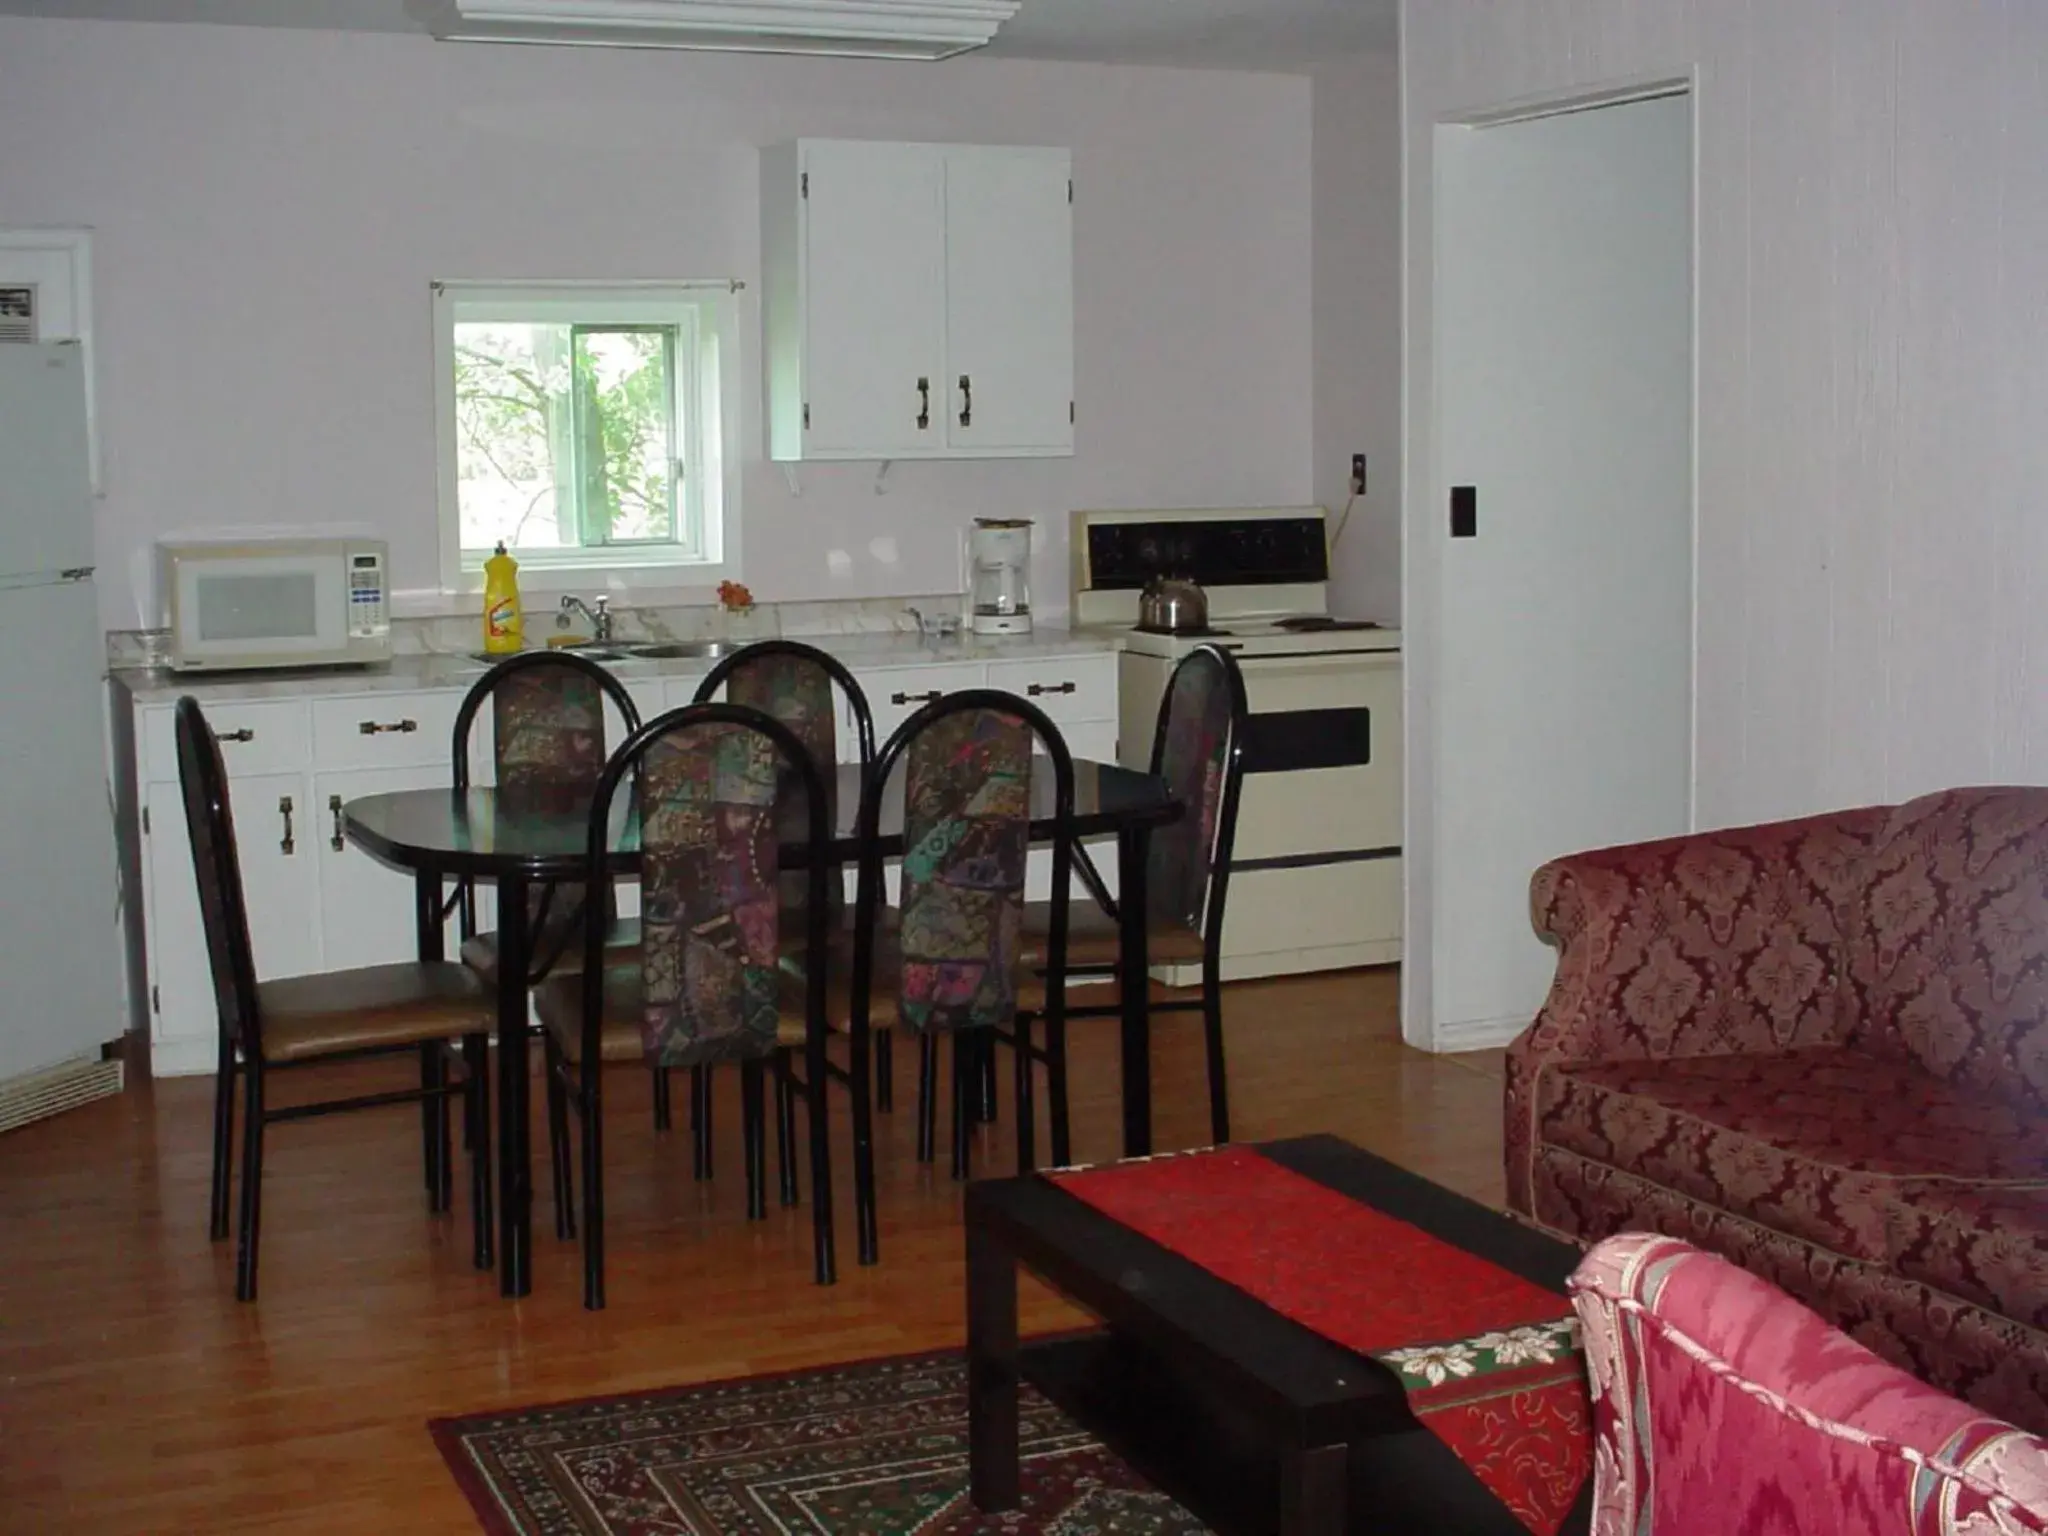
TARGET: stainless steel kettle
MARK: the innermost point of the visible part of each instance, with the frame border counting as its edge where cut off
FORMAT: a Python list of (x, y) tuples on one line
[(1173, 605)]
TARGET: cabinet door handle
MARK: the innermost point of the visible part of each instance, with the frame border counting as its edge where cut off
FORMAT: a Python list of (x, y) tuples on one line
[(1038, 690), (917, 698), (244, 734), (966, 400), (401, 727), (924, 404), (287, 844), (337, 842)]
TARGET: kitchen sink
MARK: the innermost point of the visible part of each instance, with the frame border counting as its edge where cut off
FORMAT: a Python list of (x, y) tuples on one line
[(679, 650)]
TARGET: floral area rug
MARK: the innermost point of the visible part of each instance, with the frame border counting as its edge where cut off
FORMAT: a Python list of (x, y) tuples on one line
[(876, 1448)]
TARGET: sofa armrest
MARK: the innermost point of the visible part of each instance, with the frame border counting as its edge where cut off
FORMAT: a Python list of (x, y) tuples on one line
[(1708, 945), (1716, 1397)]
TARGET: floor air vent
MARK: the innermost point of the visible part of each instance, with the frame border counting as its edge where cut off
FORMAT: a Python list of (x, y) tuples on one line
[(39, 1095)]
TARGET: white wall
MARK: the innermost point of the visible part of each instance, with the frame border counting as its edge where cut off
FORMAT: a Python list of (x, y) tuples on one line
[(269, 207), (1357, 188), (1873, 380)]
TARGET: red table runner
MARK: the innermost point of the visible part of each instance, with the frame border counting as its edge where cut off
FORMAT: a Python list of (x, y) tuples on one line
[(1490, 1360)]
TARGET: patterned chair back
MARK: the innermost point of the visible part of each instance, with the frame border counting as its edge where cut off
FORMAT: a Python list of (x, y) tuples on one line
[(1198, 748), (791, 682), (967, 804), (547, 744), (710, 781), (210, 823)]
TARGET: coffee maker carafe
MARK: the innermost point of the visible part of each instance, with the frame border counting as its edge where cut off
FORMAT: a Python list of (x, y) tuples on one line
[(999, 575)]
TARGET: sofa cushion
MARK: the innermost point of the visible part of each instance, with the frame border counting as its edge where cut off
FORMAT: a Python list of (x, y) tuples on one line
[(1947, 946), (1985, 1244), (1809, 1143)]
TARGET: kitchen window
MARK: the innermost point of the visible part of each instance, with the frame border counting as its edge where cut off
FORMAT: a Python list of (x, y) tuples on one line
[(589, 428)]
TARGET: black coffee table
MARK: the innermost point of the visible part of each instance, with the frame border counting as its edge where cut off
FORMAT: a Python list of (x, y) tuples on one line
[(1253, 1422)]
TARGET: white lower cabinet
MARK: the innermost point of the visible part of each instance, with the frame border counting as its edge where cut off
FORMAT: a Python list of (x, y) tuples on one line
[(317, 901), (273, 832), (366, 907)]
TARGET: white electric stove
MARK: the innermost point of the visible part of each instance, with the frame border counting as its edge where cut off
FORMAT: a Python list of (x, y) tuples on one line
[(1316, 871)]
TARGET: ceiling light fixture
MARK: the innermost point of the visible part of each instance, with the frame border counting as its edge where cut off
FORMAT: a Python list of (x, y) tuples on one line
[(875, 29)]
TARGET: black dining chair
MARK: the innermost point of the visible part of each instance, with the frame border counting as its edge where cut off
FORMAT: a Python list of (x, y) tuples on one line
[(548, 751), (954, 967), (793, 683), (435, 1009), (708, 983), (1198, 748)]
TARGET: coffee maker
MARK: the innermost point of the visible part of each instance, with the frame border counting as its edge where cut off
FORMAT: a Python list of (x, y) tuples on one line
[(999, 576)]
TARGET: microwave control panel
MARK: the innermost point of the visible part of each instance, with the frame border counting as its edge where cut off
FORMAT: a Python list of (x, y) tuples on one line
[(369, 611)]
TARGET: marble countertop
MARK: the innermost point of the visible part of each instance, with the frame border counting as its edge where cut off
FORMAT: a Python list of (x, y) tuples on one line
[(413, 673)]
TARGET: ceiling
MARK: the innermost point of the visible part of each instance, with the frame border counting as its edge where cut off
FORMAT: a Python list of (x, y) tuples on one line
[(1201, 34)]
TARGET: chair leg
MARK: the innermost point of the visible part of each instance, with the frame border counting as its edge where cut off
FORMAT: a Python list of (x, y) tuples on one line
[(1027, 1113), (927, 1096), (700, 1122), (785, 1131), (754, 1138), (476, 1129), (664, 1115), (966, 1089), (866, 1229), (223, 1140), (885, 1070), (986, 1095), (433, 1125), (593, 1187), (1212, 1030), (252, 1180), (1056, 1091), (818, 1099), (561, 1172)]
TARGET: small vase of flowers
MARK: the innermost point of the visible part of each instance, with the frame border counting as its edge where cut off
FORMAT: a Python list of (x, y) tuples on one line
[(738, 618)]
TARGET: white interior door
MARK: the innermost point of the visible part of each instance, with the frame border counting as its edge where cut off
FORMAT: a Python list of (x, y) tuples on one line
[(1564, 712), (874, 251), (1009, 299)]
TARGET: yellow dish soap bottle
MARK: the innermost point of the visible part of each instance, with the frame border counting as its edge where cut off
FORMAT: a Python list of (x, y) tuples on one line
[(504, 630)]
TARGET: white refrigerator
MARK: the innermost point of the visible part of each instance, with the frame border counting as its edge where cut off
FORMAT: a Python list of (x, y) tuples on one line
[(60, 942)]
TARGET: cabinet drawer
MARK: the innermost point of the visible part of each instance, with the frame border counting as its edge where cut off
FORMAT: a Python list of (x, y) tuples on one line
[(894, 695), (384, 730), (254, 738), (1075, 688)]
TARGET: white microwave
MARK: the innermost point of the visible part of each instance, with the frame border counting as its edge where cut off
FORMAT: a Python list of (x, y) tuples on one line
[(276, 603)]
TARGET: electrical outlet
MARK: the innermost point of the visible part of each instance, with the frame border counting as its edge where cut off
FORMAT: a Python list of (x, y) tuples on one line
[(1358, 474)]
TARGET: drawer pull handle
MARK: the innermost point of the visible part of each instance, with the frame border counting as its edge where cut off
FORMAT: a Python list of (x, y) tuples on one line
[(244, 734), (337, 842), (924, 409), (287, 845), (400, 727), (966, 400), (1037, 690), (917, 698)]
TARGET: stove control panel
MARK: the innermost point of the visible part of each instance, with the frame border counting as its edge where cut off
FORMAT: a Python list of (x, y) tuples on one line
[(1248, 552)]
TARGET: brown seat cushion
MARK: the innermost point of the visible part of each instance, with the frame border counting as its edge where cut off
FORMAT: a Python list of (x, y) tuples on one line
[(1093, 941), (561, 939), (403, 1004), (1821, 1145)]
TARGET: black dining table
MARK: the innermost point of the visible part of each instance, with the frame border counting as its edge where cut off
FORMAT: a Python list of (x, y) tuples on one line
[(444, 834)]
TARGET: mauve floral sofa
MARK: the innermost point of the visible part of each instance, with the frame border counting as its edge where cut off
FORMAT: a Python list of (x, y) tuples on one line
[(1820, 1049), (1723, 1408)]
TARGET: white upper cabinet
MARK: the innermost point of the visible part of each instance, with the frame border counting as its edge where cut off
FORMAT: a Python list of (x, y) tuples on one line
[(919, 300)]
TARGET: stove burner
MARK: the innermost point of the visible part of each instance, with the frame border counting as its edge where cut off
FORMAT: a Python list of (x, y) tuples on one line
[(1182, 634), (1311, 622)]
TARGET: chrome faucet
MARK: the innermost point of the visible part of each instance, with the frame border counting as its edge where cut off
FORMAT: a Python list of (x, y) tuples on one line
[(600, 616)]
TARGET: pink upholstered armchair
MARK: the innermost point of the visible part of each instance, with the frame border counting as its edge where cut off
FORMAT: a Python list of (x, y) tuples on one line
[(1724, 1408)]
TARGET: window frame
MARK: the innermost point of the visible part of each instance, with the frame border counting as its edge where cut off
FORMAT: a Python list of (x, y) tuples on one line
[(707, 391)]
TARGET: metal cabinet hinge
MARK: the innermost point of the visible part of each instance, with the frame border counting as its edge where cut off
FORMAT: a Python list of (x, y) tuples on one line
[(156, 1000), (1070, 413), (1070, 191), (145, 821), (804, 185), (807, 416)]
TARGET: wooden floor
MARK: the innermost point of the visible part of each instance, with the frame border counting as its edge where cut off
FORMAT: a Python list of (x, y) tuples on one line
[(137, 1396)]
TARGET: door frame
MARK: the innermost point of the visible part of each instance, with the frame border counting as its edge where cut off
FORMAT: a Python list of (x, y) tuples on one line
[(1425, 498)]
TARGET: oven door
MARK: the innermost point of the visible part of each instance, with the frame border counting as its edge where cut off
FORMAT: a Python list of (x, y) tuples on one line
[(278, 610), (1322, 758)]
